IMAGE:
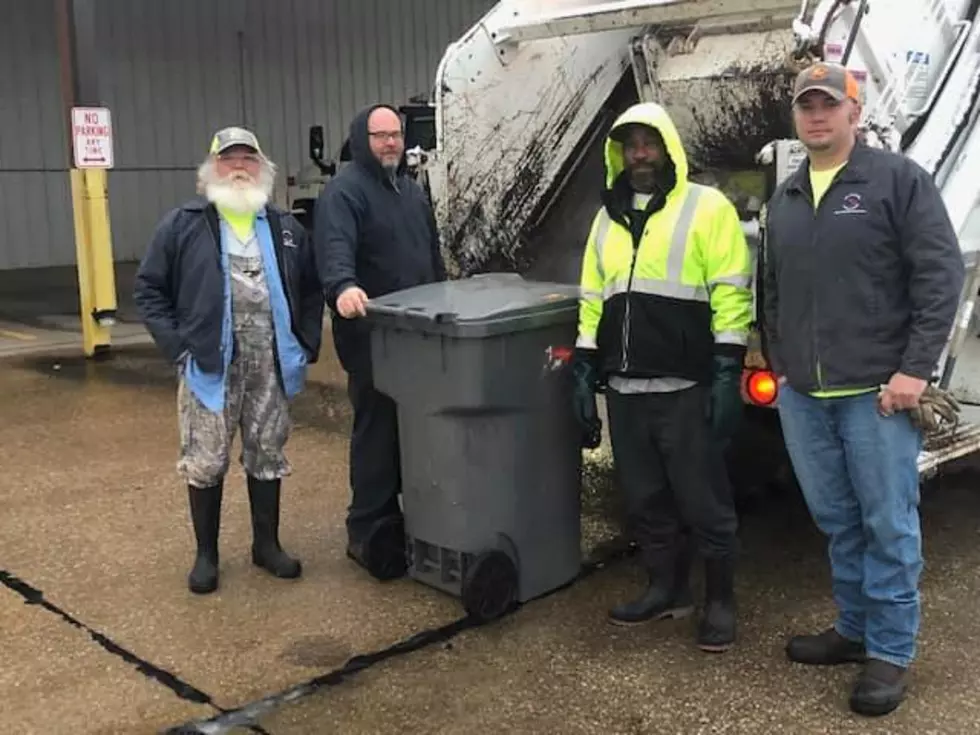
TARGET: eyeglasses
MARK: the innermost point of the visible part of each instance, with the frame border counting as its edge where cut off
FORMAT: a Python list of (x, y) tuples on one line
[(386, 136)]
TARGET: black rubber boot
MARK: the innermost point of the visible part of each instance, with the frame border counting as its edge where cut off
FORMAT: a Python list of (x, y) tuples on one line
[(879, 690), (668, 594), (829, 648), (263, 496), (716, 630), (205, 504)]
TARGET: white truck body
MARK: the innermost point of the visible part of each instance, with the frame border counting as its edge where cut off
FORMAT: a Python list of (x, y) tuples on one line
[(523, 100)]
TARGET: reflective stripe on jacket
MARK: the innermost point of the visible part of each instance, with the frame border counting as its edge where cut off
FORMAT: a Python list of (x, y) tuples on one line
[(663, 305)]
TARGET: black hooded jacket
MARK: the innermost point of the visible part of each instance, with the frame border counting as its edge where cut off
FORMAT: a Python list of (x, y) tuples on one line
[(373, 232)]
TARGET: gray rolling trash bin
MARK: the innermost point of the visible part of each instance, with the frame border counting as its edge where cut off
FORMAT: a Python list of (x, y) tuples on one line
[(490, 450)]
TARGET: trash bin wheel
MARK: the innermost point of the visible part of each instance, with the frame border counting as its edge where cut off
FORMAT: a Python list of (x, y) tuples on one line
[(386, 549), (490, 585)]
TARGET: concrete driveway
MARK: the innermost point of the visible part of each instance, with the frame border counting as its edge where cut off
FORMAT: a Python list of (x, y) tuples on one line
[(100, 634)]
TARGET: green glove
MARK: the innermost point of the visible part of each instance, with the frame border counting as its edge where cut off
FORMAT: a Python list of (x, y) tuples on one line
[(726, 398), (583, 396)]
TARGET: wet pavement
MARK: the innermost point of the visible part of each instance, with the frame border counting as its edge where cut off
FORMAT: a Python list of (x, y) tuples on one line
[(39, 311), (95, 536)]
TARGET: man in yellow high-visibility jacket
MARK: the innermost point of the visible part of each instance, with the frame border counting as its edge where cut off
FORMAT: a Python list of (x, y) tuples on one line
[(664, 318)]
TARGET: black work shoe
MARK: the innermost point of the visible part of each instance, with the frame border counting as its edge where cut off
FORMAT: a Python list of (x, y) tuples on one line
[(267, 554), (716, 629), (205, 505), (879, 689), (382, 550), (829, 648)]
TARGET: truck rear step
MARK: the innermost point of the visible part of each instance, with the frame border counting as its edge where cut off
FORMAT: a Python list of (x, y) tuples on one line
[(943, 448)]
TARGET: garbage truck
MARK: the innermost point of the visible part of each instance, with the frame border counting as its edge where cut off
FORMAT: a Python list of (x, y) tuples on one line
[(522, 102)]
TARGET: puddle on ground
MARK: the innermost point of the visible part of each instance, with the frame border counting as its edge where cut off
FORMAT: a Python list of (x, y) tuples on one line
[(316, 652), (130, 366)]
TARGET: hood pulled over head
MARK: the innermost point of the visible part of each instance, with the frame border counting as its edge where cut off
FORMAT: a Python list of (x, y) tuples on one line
[(360, 144), (652, 116)]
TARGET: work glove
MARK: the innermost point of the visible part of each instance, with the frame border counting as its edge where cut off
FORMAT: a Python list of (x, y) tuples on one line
[(585, 377), (726, 398), (936, 410)]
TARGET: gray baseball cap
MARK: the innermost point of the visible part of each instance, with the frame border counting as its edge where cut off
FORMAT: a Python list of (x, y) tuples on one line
[(832, 79), (230, 137)]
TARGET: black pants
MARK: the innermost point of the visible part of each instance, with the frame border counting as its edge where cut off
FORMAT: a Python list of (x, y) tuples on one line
[(671, 472), (375, 473)]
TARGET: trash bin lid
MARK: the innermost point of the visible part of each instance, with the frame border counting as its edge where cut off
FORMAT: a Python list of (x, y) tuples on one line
[(479, 306)]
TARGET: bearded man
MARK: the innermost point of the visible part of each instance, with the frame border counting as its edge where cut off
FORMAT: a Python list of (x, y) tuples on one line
[(375, 233), (229, 291)]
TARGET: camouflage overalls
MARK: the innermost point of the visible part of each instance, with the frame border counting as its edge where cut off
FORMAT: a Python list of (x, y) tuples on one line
[(254, 399)]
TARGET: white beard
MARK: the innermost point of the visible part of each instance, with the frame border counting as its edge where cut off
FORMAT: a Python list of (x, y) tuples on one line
[(238, 198)]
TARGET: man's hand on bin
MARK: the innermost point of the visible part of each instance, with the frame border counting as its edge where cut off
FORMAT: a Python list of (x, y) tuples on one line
[(726, 397), (586, 412), (352, 302)]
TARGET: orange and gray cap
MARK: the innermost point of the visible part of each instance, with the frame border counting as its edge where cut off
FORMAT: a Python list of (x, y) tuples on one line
[(229, 137), (832, 79)]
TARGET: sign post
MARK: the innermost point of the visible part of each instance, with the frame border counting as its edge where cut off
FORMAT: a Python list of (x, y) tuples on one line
[(92, 145), (89, 133)]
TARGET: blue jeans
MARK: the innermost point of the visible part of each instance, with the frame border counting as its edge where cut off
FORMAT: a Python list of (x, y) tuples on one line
[(858, 473)]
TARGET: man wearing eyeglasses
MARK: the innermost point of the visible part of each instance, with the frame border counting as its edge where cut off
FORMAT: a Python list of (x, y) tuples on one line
[(229, 292), (374, 234)]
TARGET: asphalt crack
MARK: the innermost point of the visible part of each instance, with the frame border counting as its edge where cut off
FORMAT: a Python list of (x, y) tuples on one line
[(184, 690), (249, 714)]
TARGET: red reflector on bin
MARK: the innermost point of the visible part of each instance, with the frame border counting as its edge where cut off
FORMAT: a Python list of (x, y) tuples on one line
[(762, 387)]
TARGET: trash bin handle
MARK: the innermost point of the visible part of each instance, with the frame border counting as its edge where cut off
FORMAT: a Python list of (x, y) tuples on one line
[(397, 312), (384, 309)]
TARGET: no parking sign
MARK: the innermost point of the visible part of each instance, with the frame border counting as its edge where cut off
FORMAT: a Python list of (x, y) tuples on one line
[(91, 132)]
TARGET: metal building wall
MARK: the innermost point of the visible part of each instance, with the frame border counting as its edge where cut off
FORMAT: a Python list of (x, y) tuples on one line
[(174, 72), (35, 202)]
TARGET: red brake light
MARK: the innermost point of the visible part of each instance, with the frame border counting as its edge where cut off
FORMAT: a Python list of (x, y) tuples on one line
[(762, 387), (564, 354)]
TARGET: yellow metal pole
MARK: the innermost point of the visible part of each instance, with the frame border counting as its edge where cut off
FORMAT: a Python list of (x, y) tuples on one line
[(79, 55), (93, 246)]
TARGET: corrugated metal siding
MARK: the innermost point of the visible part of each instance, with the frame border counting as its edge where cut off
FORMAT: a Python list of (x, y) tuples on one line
[(174, 72), (35, 205), (156, 58), (177, 71)]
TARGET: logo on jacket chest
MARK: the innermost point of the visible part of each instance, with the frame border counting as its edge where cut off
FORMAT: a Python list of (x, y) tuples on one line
[(851, 203)]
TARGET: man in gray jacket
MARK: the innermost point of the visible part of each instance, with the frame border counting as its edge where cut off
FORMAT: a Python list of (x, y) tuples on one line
[(862, 281)]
